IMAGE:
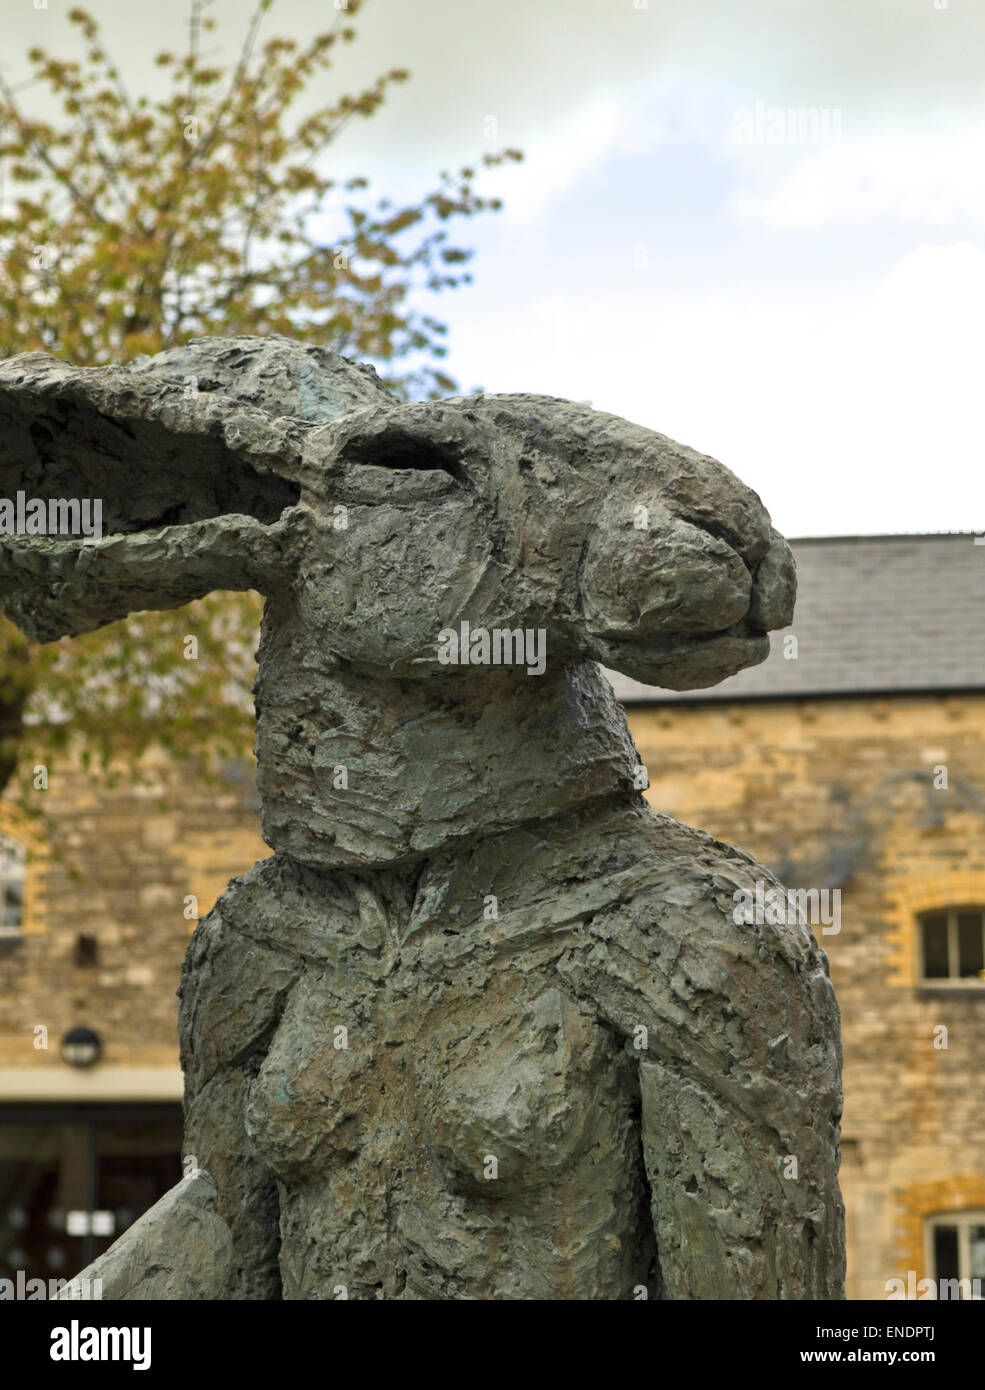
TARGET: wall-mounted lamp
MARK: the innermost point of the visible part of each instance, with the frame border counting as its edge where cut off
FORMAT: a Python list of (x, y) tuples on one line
[(81, 1047)]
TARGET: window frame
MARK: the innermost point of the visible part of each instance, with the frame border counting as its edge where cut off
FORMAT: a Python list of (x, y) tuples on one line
[(91, 1116), (949, 981), (13, 932), (963, 1220)]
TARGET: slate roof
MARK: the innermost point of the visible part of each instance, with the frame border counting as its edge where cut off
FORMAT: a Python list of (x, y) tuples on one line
[(875, 614)]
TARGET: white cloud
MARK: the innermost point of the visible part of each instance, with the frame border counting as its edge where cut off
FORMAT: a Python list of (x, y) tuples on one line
[(561, 156), (846, 411), (935, 179)]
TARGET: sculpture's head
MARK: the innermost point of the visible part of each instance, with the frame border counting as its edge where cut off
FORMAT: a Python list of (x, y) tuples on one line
[(248, 462)]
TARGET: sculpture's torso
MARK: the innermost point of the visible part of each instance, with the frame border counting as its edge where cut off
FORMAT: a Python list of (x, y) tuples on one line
[(446, 1069)]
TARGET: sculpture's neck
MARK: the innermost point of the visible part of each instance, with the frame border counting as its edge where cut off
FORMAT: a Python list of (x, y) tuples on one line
[(358, 769)]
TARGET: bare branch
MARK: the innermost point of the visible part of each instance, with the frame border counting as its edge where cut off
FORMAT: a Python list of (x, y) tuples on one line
[(201, 149), (194, 40)]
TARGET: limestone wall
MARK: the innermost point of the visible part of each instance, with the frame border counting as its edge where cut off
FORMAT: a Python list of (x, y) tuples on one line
[(113, 864)]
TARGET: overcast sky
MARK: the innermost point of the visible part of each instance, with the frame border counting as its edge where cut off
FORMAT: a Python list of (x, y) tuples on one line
[(758, 227)]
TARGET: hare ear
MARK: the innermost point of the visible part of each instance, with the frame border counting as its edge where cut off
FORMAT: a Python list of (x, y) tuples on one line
[(123, 489)]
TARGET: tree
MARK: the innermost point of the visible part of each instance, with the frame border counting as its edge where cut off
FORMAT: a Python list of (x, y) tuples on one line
[(136, 224)]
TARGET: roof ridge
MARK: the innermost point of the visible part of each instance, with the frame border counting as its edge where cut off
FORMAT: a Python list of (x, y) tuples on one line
[(884, 536)]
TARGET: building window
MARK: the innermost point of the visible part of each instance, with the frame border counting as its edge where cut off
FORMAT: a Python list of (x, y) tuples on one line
[(952, 946), (74, 1177), (957, 1254), (13, 860)]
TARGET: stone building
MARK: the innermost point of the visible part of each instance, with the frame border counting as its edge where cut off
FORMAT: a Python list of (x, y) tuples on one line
[(852, 764)]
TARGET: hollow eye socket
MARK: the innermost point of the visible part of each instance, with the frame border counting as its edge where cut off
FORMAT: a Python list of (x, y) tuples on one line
[(401, 452)]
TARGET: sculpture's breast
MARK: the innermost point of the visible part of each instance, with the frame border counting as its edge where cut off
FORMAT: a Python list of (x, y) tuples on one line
[(314, 1103), (510, 1091)]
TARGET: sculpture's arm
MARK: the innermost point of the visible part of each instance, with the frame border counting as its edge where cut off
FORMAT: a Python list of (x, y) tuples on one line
[(52, 587), (732, 1216), (737, 1034), (215, 1235), (179, 1249), (232, 992)]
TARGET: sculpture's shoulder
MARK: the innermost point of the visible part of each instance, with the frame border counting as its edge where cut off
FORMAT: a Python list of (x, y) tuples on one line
[(282, 906), (268, 926), (232, 982), (672, 948), (620, 887), (681, 889), (244, 957)]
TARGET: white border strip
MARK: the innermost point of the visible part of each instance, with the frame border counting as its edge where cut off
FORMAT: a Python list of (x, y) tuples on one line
[(27, 1084)]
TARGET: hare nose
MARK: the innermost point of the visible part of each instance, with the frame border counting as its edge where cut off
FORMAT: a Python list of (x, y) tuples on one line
[(670, 580), (775, 589)]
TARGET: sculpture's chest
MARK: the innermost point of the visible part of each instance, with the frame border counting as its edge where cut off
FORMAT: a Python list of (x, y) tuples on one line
[(423, 1137)]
